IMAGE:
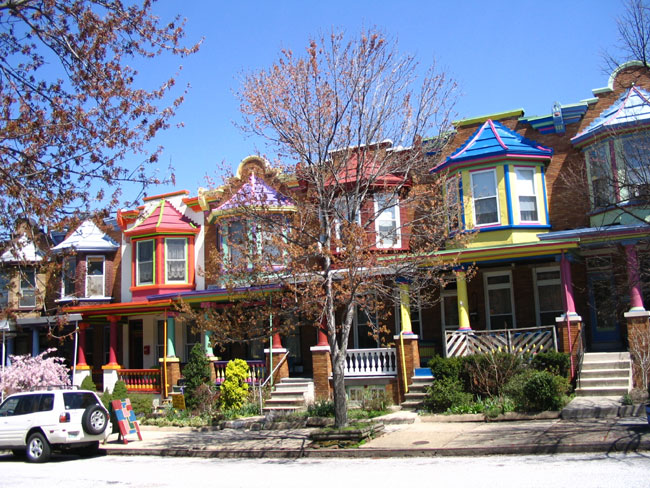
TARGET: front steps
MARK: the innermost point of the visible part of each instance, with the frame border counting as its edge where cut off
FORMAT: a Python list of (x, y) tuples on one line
[(289, 395), (414, 399), (605, 374)]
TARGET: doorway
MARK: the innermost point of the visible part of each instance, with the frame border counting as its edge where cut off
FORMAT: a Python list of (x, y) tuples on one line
[(136, 344), (603, 304)]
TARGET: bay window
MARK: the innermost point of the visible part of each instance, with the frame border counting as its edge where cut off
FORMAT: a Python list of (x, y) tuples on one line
[(387, 221), (527, 194), (27, 288), (95, 276), (484, 193), (176, 260), (145, 262), (600, 175)]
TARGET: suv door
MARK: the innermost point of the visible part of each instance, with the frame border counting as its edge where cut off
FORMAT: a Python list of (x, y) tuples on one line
[(15, 426), (7, 411)]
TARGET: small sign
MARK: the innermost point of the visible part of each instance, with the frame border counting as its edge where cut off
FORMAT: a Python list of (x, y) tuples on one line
[(178, 401), (126, 419)]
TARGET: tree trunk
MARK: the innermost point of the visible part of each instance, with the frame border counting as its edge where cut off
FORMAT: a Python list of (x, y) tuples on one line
[(340, 398)]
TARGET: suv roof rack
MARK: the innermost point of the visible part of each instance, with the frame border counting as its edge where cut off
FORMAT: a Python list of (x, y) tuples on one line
[(54, 387)]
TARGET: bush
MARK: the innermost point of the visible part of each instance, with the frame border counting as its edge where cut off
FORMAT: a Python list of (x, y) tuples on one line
[(554, 362), (142, 403), (321, 408), (234, 389), (196, 373), (88, 384), (106, 399), (444, 394), (206, 399), (119, 391), (442, 368), (27, 372), (489, 373), (373, 400), (537, 391)]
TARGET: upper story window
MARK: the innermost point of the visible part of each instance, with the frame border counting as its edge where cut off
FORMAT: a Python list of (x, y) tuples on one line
[(235, 241), (176, 260), (68, 273), (4, 289), (485, 197), (144, 259), (635, 168), (600, 175), (27, 288), (527, 194), (387, 221), (95, 276)]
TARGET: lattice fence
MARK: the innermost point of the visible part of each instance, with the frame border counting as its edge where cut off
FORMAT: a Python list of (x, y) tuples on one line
[(517, 341)]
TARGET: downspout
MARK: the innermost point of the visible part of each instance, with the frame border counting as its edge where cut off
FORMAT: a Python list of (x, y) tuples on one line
[(74, 356), (271, 340), (164, 361), (401, 339)]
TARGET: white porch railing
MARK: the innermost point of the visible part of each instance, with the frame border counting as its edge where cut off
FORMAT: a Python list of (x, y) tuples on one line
[(517, 341), (371, 362)]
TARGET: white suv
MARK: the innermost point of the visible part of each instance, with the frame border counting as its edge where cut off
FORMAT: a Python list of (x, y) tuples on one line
[(35, 423)]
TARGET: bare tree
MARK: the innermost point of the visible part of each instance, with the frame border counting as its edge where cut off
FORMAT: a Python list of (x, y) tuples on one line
[(364, 211)]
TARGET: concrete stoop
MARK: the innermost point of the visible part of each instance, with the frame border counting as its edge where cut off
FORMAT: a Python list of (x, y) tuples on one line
[(289, 395), (605, 374), (414, 399)]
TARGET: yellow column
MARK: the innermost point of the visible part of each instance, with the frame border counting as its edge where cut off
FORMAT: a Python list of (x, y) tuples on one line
[(405, 309), (463, 312)]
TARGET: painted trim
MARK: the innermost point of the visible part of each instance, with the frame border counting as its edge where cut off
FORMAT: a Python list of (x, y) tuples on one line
[(136, 259), (185, 248), (492, 170), (166, 195), (506, 178), (543, 172), (482, 118)]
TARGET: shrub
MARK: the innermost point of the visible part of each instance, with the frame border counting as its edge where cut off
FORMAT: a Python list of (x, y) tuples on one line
[(321, 408), (206, 399), (373, 400), (538, 390), (27, 372), (88, 384), (196, 373), (142, 403), (106, 399), (554, 362), (489, 373), (444, 394), (442, 368), (119, 391), (234, 389)]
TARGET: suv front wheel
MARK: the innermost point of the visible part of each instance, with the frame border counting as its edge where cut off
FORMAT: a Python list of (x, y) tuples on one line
[(38, 449)]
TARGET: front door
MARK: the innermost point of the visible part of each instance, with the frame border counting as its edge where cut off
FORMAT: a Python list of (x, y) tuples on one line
[(605, 329), (136, 344)]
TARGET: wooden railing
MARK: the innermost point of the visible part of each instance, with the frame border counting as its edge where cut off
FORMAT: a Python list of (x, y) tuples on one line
[(141, 380), (256, 371), (516, 341), (371, 362)]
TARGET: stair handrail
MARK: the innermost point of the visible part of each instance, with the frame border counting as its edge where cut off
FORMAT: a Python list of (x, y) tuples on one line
[(261, 386)]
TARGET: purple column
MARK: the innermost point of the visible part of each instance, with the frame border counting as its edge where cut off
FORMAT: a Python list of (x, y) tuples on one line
[(634, 279), (567, 286)]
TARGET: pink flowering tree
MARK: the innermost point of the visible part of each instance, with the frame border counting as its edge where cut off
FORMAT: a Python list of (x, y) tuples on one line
[(28, 372)]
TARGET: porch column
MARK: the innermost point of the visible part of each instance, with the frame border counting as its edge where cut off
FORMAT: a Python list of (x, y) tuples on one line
[(567, 286), (110, 370), (321, 365), (634, 279), (171, 337), (82, 370), (35, 342), (405, 309), (273, 357), (463, 302), (10, 349)]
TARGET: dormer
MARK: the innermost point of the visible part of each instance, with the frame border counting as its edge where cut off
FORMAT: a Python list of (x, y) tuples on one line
[(88, 264), (248, 213), (615, 146), (162, 245), (22, 281), (498, 176)]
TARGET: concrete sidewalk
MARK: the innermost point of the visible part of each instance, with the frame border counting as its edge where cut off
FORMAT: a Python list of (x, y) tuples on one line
[(412, 436)]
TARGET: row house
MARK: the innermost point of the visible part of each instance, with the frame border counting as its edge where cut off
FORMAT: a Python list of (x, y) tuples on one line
[(556, 206)]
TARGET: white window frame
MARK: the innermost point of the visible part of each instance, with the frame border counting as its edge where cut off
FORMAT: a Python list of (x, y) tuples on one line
[(537, 283), (472, 174), (138, 281), (103, 275), (64, 275), (520, 170), (382, 209), (499, 286), (184, 260)]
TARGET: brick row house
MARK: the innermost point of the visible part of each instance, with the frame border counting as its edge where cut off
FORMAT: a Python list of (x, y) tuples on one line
[(558, 212)]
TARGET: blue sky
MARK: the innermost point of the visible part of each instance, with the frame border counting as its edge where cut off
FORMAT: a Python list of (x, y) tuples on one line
[(504, 55)]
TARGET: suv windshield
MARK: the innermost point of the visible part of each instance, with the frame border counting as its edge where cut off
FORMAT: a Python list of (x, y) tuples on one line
[(78, 400)]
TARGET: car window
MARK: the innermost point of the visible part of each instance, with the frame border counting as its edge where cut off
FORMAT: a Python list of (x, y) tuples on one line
[(47, 402), (78, 399), (8, 408), (27, 404)]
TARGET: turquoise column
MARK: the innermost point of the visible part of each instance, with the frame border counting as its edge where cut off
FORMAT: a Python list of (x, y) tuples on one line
[(206, 339), (171, 337)]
